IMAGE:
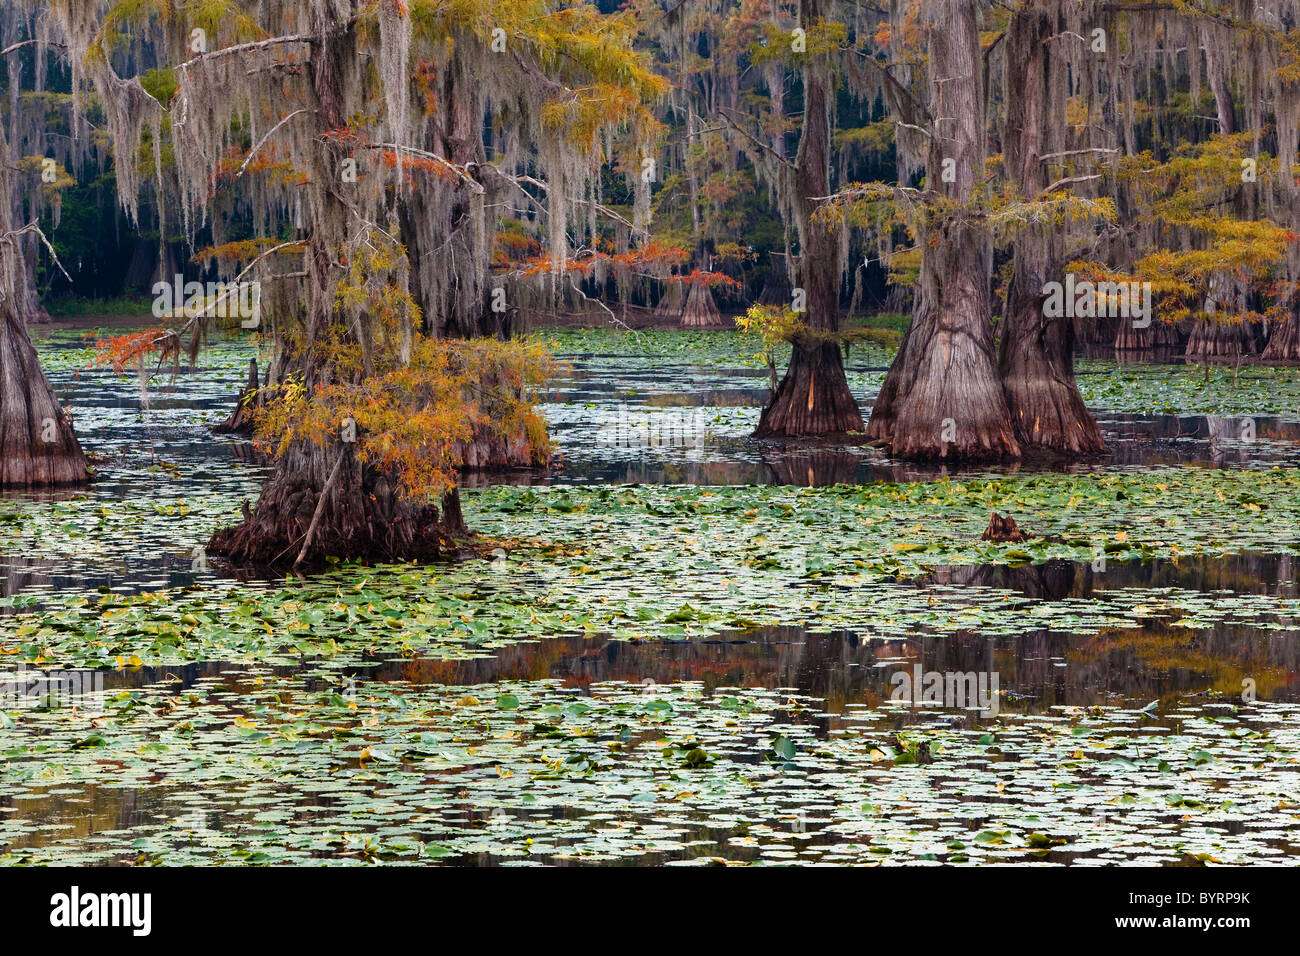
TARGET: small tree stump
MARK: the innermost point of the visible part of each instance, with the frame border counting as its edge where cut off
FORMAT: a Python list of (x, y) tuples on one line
[(1002, 529)]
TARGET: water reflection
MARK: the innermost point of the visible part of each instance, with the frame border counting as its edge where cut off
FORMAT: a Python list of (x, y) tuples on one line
[(1155, 661), (1249, 572)]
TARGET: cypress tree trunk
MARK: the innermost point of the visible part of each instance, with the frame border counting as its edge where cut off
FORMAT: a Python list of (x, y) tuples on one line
[(322, 502), (1036, 354), (443, 225), (1157, 335), (700, 311), (1219, 85), (1210, 339), (37, 446), (1284, 340), (942, 398), (814, 397), (672, 302)]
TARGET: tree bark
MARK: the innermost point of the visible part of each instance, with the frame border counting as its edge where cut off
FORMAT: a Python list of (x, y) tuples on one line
[(1219, 85), (1284, 340), (1036, 352), (451, 281), (814, 397), (363, 515), (38, 448), (1157, 335), (700, 311), (942, 398), (1210, 339)]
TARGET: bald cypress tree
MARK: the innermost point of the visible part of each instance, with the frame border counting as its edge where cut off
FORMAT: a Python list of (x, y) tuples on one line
[(323, 118), (1036, 351), (942, 397), (38, 447), (813, 397)]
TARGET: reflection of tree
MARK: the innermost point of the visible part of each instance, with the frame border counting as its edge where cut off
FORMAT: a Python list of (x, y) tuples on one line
[(1178, 662), (892, 470), (1035, 670), (64, 818), (19, 574), (1052, 581), (1056, 580), (813, 467), (1163, 355)]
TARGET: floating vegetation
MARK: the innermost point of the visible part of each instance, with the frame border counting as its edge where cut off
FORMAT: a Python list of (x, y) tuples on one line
[(258, 768), (653, 672), (678, 563)]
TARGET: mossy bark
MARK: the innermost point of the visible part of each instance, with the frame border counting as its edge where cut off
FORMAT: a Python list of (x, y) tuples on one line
[(363, 515)]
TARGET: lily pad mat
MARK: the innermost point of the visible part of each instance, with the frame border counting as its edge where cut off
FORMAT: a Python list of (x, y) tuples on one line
[(255, 768), (685, 562)]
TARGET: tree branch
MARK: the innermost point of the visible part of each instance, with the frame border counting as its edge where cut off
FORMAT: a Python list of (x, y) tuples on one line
[(754, 139), (460, 171), (33, 227), (1076, 152), (320, 506), (22, 43), (1067, 181), (262, 141)]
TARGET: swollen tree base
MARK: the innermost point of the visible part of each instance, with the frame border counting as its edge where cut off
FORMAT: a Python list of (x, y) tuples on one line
[(1156, 335), (942, 399), (813, 398), (489, 450), (1036, 362), (1284, 342), (38, 448), (700, 311), (1211, 340), (321, 503)]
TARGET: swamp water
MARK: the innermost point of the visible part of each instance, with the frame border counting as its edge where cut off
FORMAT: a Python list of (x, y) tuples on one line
[(686, 648)]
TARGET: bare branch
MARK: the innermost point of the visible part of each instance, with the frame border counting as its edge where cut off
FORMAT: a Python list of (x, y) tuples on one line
[(1067, 181), (587, 298), (33, 227), (754, 139), (22, 43), (262, 141), (461, 171), (1076, 152), (245, 47)]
